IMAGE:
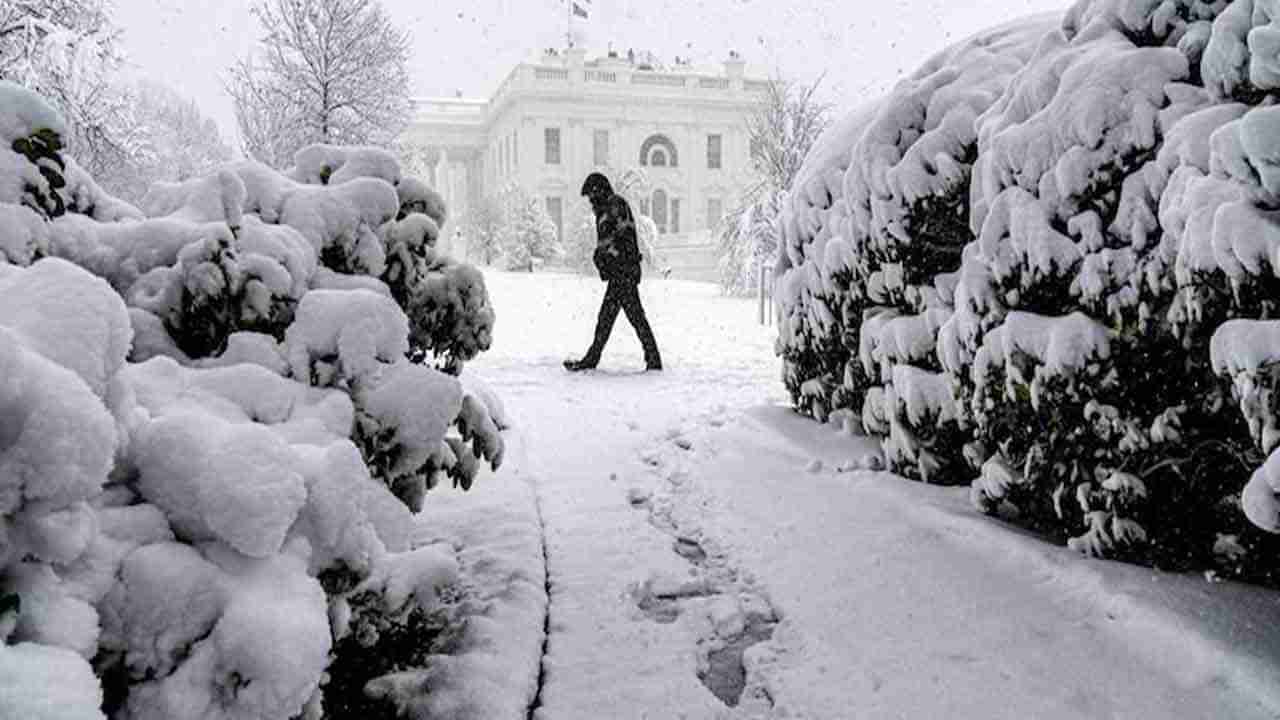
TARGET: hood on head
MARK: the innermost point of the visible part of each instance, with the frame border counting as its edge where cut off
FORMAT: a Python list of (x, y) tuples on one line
[(597, 187)]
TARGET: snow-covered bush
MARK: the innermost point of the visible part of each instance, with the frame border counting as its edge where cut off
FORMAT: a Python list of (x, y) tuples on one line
[(1014, 266), (811, 302), (529, 237), (1073, 346), (580, 237), (417, 197), (907, 192), (213, 415), (30, 152), (449, 314)]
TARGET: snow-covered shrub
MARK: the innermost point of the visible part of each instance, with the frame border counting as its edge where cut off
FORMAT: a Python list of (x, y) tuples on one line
[(580, 237), (875, 220), (819, 365), (394, 622), (647, 241), (30, 152), (907, 190), (450, 317), (1077, 343), (218, 425), (410, 247), (1016, 264), (63, 339), (529, 236), (417, 197)]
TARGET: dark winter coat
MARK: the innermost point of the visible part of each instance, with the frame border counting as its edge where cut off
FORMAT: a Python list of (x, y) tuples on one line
[(617, 254)]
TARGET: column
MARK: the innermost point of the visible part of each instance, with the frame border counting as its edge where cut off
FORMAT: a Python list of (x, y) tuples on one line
[(444, 186)]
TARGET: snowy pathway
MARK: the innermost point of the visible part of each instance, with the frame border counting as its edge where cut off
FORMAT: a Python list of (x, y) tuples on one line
[(681, 528)]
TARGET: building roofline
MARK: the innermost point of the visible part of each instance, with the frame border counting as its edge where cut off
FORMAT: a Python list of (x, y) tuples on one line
[(601, 63), (446, 100)]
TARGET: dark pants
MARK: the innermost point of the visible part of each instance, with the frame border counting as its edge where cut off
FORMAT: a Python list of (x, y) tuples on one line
[(625, 296)]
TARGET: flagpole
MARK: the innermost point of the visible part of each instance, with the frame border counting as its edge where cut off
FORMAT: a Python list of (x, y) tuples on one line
[(568, 24)]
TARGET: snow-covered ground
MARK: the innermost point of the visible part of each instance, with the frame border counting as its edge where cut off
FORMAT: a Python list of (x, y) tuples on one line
[(688, 517)]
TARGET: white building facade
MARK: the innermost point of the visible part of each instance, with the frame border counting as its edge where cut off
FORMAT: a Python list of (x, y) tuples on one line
[(553, 122)]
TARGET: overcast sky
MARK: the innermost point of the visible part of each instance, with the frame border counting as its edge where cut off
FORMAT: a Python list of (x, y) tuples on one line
[(470, 45)]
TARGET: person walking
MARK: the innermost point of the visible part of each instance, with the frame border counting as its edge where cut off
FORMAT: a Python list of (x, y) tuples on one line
[(617, 258)]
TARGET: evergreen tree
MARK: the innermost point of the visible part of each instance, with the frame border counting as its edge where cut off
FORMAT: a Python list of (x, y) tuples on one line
[(529, 235)]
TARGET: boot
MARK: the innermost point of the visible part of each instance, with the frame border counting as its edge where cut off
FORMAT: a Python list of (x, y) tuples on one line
[(579, 365)]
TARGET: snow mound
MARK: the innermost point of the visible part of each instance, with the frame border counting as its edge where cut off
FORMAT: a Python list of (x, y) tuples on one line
[(70, 317), (215, 198), (39, 682), (27, 237), (346, 334), (26, 114), (321, 164), (263, 657), (218, 480)]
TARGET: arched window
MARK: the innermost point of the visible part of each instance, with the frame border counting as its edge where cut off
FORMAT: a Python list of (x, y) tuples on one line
[(660, 210), (657, 145)]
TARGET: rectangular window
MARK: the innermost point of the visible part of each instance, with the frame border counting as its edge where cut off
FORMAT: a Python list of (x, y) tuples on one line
[(555, 208), (675, 215), (715, 212), (515, 148), (601, 144), (713, 152), (644, 206), (551, 142)]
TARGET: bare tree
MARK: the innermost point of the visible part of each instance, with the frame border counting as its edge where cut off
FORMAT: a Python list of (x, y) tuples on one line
[(177, 142), (332, 71), (787, 123), (26, 24), (187, 142), (271, 129), (68, 51), (783, 130)]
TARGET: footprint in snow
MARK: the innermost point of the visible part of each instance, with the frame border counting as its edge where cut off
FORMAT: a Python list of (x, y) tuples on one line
[(738, 615), (690, 549), (639, 497)]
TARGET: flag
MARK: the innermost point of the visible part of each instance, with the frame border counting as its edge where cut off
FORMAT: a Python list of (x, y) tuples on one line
[(579, 10)]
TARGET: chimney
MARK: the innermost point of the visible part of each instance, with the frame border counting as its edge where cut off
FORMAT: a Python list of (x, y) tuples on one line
[(734, 67)]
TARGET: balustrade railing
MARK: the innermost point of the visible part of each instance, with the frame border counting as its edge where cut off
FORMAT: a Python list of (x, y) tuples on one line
[(649, 78)]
